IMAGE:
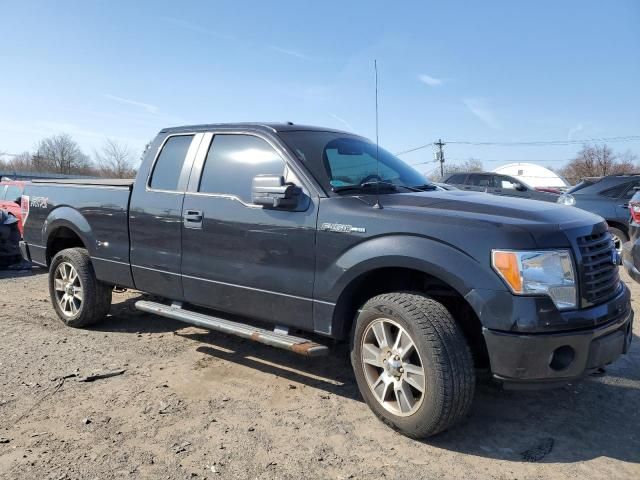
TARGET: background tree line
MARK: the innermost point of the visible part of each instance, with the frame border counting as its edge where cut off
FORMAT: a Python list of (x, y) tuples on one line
[(61, 154), (591, 161)]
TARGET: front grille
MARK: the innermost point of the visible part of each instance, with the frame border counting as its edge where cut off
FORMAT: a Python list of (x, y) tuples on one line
[(600, 279)]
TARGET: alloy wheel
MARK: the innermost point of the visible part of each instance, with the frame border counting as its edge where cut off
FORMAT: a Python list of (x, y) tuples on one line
[(68, 289), (392, 367)]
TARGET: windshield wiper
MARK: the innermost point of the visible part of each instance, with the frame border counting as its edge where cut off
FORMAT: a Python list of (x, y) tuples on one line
[(424, 188), (365, 186), (376, 183)]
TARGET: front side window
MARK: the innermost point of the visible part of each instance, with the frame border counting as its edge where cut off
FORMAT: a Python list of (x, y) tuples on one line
[(166, 172), (234, 160)]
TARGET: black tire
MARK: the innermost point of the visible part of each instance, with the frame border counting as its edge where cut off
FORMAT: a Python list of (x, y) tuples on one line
[(449, 376), (96, 296), (622, 237)]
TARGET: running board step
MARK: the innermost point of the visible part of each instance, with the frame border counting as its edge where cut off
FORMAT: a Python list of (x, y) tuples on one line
[(298, 345)]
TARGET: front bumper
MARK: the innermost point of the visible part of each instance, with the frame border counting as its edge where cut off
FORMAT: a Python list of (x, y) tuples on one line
[(534, 360)]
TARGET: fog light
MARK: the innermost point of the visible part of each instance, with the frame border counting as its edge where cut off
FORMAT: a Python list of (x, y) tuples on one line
[(562, 358)]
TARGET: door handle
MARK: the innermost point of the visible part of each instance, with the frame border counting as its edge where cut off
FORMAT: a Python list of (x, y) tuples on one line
[(193, 219), (625, 205)]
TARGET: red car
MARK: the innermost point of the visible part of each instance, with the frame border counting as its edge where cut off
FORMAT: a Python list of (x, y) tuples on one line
[(10, 199)]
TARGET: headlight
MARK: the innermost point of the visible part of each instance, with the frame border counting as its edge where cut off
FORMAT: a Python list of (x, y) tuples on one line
[(566, 199), (544, 272)]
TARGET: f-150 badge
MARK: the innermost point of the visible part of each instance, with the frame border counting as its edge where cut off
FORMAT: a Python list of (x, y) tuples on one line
[(340, 228)]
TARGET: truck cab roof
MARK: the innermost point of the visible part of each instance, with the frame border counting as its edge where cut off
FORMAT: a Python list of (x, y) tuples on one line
[(267, 127)]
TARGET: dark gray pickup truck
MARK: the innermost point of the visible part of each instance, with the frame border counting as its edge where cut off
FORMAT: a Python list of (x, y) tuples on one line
[(266, 231)]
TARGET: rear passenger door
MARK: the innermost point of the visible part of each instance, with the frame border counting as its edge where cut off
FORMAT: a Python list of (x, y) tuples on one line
[(155, 215), (238, 257)]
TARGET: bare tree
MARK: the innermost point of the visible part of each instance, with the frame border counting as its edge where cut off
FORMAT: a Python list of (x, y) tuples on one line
[(60, 154), (470, 165), (22, 162), (598, 161), (115, 160)]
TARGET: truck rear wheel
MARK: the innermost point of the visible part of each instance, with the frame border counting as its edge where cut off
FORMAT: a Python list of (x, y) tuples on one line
[(412, 363), (78, 297)]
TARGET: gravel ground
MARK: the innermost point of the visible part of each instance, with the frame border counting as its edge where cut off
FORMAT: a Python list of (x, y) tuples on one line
[(194, 404)]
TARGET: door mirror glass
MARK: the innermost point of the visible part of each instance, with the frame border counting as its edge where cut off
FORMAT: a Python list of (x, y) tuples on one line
[(271, 191)]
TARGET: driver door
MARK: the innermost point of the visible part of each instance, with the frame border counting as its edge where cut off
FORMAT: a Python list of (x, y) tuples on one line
[(238, 257)]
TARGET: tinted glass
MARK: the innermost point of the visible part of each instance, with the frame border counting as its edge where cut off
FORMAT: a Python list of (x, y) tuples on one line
[(233, 161), (457, 179), (166, 173), (13, 193), (627, 195), (2, 191), (481, 180), (616, 191)]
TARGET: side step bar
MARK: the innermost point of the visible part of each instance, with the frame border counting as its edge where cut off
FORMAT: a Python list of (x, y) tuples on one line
[(298, 345)]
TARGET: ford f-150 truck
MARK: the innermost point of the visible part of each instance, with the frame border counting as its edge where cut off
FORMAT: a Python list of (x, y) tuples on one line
[(268, 231)]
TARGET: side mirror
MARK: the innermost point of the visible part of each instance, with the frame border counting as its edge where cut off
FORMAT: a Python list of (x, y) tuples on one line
[(271, 191), (520, 187)]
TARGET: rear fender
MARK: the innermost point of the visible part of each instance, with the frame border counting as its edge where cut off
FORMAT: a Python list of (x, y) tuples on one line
[(73, 220)]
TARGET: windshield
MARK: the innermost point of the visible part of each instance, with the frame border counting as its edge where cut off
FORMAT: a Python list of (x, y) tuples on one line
[(346, 163)]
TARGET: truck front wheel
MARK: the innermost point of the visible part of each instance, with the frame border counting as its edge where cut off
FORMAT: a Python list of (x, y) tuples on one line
[(412, 363), (78, 297)]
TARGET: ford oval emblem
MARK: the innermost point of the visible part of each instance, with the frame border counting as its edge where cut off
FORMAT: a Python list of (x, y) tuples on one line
[(615, 257)]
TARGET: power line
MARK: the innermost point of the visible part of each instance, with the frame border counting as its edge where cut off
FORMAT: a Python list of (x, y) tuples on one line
[(629, 138)]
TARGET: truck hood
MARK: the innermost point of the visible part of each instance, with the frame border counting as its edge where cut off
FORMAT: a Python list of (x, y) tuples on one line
[(489, 207), (548, 224)]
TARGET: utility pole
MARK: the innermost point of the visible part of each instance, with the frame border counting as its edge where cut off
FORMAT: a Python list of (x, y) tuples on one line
[(440, 155)]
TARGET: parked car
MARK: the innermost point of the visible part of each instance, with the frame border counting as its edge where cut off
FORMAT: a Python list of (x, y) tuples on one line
[(10, 198), (631, 249), (308, 229), (498, 184), (9, 239), (608, 197)]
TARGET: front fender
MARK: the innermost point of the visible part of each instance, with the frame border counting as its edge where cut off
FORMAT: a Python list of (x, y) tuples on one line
[(443, 261)]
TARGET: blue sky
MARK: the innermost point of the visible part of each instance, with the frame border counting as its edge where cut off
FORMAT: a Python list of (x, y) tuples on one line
[(496, 71)]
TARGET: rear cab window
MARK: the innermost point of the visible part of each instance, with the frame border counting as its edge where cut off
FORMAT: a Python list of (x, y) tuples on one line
[(168, 167)]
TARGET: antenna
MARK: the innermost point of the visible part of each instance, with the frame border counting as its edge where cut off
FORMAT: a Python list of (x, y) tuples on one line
[(377, 204)]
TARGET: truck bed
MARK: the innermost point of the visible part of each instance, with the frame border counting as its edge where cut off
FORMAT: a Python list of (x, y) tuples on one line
[(96, 211)]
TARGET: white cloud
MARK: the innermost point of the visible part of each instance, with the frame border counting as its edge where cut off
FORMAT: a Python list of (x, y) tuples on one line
[(429, 80), (481, 109), (153, 109), (291, 53), (577, 129)]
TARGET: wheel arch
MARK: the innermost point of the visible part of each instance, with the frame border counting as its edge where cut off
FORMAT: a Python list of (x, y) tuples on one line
[(65, 227), (447, 280)]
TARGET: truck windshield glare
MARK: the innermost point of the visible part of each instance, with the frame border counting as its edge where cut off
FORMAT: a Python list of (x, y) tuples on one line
[(348, 162)]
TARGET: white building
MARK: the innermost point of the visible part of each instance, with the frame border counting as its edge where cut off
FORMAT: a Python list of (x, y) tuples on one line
[(534, 175)]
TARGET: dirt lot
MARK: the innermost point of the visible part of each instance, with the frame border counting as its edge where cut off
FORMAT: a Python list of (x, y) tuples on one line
[(194, 404)]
